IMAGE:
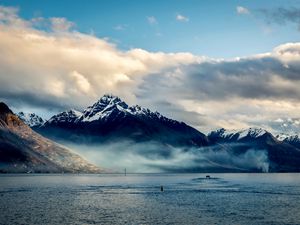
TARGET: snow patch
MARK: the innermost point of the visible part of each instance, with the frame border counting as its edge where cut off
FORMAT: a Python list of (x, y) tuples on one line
[(31, 119)]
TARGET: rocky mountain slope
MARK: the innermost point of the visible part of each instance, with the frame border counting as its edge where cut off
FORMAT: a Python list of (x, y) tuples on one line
[(23, 150)]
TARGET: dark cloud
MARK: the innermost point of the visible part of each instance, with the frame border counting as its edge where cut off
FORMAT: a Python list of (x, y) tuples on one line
[(282, 15), (246, 78), (33, 100), (172, 110), (253, 78), (206, 93)]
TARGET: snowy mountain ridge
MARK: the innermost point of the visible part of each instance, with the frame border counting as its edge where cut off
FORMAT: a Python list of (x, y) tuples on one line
[(31, 119), (67, 116), (253, 133), (239, 134), (106, 107), (288, 137), (110, 118), (109, 109)]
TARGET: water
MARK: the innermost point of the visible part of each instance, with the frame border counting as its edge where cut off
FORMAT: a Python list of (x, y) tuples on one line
[(137, 199)]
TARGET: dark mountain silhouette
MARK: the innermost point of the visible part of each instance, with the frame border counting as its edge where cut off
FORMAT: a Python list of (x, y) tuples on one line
[(112, 119)]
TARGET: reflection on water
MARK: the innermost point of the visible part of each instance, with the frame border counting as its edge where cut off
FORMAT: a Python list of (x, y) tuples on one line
[(137, 199)]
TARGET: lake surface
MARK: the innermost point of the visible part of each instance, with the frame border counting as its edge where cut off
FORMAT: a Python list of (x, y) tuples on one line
[(137, 199)]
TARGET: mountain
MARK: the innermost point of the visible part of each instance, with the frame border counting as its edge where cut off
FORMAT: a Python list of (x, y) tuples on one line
[(110, 118), (31, 119), (284, 156), (110, 123), (223, 135), (292, 139), (23, 150), (63, 119)]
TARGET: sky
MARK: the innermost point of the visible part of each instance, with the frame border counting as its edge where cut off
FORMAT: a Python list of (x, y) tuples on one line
[(211, 64), (211, 28)]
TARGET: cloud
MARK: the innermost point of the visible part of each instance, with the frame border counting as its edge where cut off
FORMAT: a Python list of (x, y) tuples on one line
[(154, 157), (152, 20), (59, 24), (286, 125), (68, 68), (282, 15), (81, 83), (242, 10), (120, 27), (62, 68), (234, 93), (182, 18)]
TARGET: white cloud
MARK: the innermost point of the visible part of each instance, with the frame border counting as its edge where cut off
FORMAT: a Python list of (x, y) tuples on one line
[(242, 10), (9, 16), (152, 20), (182, 18), (120, 27), (60, 24), (81, 82), (62, 69)]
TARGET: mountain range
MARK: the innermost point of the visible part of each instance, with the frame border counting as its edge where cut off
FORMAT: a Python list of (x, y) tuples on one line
[(111, 120), (283, 156)]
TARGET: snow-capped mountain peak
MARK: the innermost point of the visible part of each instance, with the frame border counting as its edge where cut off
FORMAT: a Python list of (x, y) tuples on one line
[(31, 119), (111, 118), (239, 134), (103, 107), (108, 107), (252, 132), (294, 138), (291, 137), (109, 100), (112, 106), (282, 136), (67, 116), (138, 110)]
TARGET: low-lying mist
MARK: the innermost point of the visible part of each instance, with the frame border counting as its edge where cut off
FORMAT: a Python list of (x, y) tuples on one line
[(154, 157)]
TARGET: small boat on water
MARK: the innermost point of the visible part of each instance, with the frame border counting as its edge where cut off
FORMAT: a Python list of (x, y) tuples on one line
[(207, 176)]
